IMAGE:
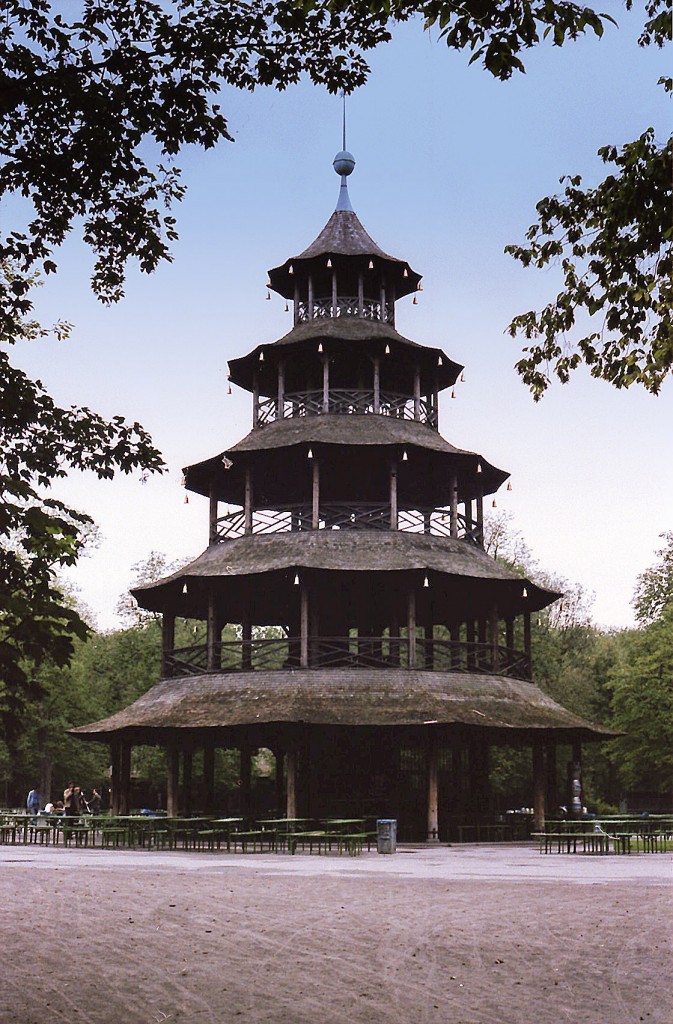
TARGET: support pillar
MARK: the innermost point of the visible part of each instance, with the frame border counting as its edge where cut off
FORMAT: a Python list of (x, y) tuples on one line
[(361, 294), (246, 780), (377, 384), (539, 786), (209, 777), (310, 297), (291, 796), (315, 500), (551, 795), (187, 781), (417, 393), (247, 509), (411, 628), (527, 640), (124, 777), (255, 399), (433, 790), (453, 505), (303, 625), (493, 639), (115, 780), (211, 633), (576, 788), (280, 781), (325, 384), (172, 788), (167, 642), (281, 390), (393, 496), (480, 520), (212, 515)]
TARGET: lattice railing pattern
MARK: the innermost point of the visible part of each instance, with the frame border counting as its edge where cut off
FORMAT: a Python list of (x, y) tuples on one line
[(343, 516), (346, 305), (344, 402), (348, 652)]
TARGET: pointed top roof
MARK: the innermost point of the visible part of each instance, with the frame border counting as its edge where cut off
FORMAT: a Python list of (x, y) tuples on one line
[(344, 236)]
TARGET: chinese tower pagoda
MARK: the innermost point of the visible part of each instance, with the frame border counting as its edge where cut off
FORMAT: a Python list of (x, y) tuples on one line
[(400, 650)]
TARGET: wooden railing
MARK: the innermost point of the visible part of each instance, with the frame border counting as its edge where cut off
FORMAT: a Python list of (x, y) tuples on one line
[(346, 305), (382, 652), (344, 516), (345, 402)]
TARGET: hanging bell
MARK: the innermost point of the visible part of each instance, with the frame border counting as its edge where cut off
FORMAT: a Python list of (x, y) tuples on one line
[(268, 295), (329, 264), (296, 581), (415, 302), (261, 357), (184, 589), (406, 273), (229, 390), (371, 264), (509, 485), (479, 469), (287, 308), (320, 349), (426, 582), (462, 378), (405, 457), (524, 593), (387, 352), (290, 269), (494, 504), (440, 361), (453, 394), (186, 499), (310, 454)]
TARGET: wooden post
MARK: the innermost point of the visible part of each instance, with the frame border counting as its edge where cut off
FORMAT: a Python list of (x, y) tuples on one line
[(296, 303), (480, 520), (361, 294), (493, 630), (539, 785), (411, 627), (315, 500), (377, 384), (453, 504), (468, 516), (325, 383), (291, 796), (576, 783), (209, 776), (310, 296), (281, 391), (246, 780), (167, 642), (187, 781), (246, 637), (279, 780), (303, 629), (509, 633), (115, 781), (454, 633), (417, 392), (211, 632), (433, 789), (212, 515), (469, 635), (124, 777), (255, 399), (551, 796), (393, 495), (247, 509), (335, 299), (172, 788), (526, 636), (382, 300)]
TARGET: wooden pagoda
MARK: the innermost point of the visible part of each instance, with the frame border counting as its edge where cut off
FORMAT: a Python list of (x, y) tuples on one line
[(400, 652)]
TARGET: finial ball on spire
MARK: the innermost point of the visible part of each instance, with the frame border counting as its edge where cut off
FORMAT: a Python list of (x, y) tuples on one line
[(344, 162)]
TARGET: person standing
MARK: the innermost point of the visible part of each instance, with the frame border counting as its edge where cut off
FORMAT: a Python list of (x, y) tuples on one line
[(95, 802), (71, 800), (33, 804)]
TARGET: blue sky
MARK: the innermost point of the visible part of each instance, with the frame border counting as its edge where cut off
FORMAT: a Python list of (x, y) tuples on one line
[(449, 167)]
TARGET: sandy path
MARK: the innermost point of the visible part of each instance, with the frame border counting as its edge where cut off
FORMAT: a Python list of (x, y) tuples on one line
[(128, 940)]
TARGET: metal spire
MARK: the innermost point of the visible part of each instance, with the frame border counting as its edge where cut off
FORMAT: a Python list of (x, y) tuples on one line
[(343, 164)]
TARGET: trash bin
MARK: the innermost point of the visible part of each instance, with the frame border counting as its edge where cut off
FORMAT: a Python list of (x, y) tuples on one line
[(386, 835)]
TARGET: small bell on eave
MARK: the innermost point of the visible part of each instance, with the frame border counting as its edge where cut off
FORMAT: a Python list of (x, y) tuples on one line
[(509, 485), (415, 302), (268, 295), (186, 499), (494, 504)]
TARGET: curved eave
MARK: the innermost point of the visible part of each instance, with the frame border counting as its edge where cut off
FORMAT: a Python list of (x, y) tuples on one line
[(297, 434), (273, 560), (341, 697), (335, 334)]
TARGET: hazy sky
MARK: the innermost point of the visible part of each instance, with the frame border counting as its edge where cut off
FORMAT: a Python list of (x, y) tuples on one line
[(449, 167)]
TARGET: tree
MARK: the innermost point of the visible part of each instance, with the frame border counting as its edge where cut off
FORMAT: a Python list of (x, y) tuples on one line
[(654, 588)]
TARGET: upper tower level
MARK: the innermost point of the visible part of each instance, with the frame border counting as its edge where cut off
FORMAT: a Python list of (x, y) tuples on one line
[(343, 355), (344, 273)]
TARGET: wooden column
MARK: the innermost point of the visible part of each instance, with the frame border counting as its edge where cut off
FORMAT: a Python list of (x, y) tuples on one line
[(335, 295), (310, 297), (281, 390), (124, 777), (246, 635), (280, 780), (212, 515), (315, 496), (325, 384), (468, 516), (247, 507), (411, 628), (539, 786), (172, 787), (303, 624), (187, 781), (255, 399), (115, 780), (526, 636), (493, 638), (453, 504), (377, 384), (212, 655), (454, 633), (509, 633), (469, 636), (291, 795), (417, 393), (167, 641), (576, 783), (295, 311), (246, 780), (382, 300), (480, 520), (433, 791), (551, 795), (209, 777), (361, 294), (393, 495)]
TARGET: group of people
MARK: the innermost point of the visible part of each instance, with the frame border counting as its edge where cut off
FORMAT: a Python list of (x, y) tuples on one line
[(73, 804)]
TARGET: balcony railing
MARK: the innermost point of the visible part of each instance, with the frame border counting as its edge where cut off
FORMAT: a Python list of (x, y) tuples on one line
[(346, 402), (345, 516), (346, 305), (383, 652)]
